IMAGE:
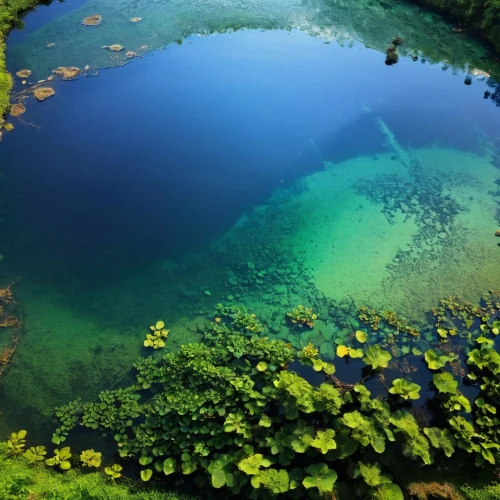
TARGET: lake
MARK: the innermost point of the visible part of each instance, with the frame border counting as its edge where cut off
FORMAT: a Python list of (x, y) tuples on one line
[(262, 155)]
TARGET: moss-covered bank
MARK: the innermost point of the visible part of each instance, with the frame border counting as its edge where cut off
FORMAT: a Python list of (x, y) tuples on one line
[(9, 11), (480, 16)]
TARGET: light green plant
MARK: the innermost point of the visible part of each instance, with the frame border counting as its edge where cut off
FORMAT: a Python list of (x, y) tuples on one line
[(60, 459)]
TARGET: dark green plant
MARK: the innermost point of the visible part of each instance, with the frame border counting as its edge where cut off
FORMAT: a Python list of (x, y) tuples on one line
[(17, 442)]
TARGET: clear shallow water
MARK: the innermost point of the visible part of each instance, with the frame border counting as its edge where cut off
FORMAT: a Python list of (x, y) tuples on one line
[(145, 187)]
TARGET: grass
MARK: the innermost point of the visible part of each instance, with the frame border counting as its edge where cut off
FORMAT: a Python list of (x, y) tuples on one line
[(19, 481), (9, 11)]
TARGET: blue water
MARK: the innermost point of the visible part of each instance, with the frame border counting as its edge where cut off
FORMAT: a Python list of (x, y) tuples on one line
[(162, 155)]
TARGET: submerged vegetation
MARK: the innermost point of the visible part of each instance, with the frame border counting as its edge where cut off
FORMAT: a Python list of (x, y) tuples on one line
[(258, 419)]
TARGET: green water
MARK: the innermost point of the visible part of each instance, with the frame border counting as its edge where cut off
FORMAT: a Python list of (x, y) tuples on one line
[(399, 226)]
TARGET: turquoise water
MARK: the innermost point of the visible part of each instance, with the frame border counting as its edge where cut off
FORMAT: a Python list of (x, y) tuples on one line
[(269, 166)]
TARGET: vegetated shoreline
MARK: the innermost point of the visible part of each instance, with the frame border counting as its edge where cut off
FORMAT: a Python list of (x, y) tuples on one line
[(9, 14), (481, 18)]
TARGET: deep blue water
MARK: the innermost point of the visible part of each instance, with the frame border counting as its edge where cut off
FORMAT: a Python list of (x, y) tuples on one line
[(164, 154)]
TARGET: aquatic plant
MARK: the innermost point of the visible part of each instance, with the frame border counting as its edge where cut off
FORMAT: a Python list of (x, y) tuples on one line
[(405, 389), (17, 442), (114, 472), (238, 318), (90, 458), (155, 339), (35, 454), (302, 316), (60, 459)]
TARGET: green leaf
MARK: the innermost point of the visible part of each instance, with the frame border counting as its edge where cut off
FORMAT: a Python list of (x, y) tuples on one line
[(405, 389), (324, 441), (218, 478), (445, 382), (262, 366), (387, 492), (376, 357), (321, 477), (146, 474), (361, 336), (169, 466), (143, 460)]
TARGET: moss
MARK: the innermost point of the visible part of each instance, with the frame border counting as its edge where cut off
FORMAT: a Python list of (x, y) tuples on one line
[(9, 11)]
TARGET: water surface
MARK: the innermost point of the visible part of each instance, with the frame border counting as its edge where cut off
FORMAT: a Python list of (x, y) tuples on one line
[(157, 189)]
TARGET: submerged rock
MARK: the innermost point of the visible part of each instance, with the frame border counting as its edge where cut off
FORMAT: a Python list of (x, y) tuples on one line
[(93, 20), (136, 19), (43, 93), (116, 47), (17, 109), (131, 54), (23, 73), (397, 41), (67, 72), (497, 233)]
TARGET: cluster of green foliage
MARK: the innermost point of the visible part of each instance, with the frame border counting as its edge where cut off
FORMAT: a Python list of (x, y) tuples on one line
[(303, 316), (239, 318), (9, 11), (22, 477), (232, 412), (480, 15), (378, 319), (155, 338)]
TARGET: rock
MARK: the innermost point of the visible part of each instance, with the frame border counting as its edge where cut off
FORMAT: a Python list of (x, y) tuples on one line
[(43, 93), (131, 54), (67, 72), (17, 109), (207, 292), (251, 265), (397, 41), (136, 19), (49, 45), (442, 235), (116, 47), (93, 20), (404, 207), (497, 232), (23, 73)]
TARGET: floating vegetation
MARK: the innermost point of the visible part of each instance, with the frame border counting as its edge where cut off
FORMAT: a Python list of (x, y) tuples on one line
[(8, 127), (23, 73), (43, 93), (155, 339), (233, 412), (93, 20), (302, 316), (67, 72)]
